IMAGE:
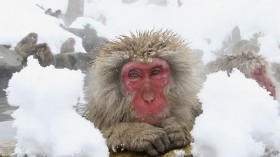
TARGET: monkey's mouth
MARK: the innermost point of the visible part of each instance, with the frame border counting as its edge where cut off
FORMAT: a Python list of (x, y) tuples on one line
[(150, 119)]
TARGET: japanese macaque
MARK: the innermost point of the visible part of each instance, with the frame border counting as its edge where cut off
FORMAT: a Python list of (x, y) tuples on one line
[(143, 94), (43, 53), (48, 11), (68, 46), (56, 14), (253, 66), (26, 45)]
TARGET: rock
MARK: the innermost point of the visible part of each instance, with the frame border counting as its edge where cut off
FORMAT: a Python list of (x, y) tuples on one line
[(235, 44), (6, 46), (242, 46), (89, 36), (275, 68), (9, 60)]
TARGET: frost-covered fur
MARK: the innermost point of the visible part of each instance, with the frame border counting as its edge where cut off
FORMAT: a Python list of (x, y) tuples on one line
[(108, 102), (246, 62)]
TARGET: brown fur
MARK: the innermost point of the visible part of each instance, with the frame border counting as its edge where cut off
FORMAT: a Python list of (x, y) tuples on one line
[(48, 11), (26, 45), (56, 14), (246, 62), (43, 53), (252, 65), (110, 108), (68, 46)]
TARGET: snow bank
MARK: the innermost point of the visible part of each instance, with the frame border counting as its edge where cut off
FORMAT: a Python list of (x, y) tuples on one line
[(47, 124), (239, 118), (19, 18)]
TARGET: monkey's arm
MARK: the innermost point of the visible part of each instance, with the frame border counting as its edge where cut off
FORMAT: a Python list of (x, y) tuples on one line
[(177, 131), (137, 137)]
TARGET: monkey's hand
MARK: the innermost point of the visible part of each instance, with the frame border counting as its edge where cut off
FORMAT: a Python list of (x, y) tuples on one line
[(137, 137), (177, 132)]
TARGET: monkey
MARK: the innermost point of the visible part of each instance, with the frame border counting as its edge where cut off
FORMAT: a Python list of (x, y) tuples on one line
[(68, 46), (252, 64), (143, 95), (73, 61), (56, 14), (49, 11), (28, 46), (25, 46), (43, 53)]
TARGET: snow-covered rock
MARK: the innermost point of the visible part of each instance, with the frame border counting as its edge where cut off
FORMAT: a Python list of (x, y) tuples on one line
[(46, 122)]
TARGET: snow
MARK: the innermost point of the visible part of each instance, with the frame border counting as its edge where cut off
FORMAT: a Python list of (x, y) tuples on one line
[(179, 153), (53, 4), (20, 18), (196, 20), (100, 28), (239, 118), (46, 122)]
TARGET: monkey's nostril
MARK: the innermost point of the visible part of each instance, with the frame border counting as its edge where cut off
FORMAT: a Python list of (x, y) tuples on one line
[(148, 97), (149, 101)]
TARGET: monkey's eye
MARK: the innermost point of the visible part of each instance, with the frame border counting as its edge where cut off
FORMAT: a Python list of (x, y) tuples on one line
[(155, 71), (133, 74)]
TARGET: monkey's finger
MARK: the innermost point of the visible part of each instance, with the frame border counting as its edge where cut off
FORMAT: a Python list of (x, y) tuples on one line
[(170, 130), (150, 150), (164, 139), (158, 145), (178, 144), (166, 142)]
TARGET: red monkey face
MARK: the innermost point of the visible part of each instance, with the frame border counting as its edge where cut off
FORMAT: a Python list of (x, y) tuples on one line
[(259, 74), (146, 83)]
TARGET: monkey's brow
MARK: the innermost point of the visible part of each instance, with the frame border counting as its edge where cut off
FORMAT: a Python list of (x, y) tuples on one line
[(158, 66)]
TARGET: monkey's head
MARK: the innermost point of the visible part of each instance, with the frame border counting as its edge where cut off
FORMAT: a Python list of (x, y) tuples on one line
[(33, 38), (71, 41), (253, 66), (144, 77), (48, 11), (58, 12)]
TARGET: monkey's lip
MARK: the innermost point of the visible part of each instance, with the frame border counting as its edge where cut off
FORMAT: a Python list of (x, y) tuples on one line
[(150, 119)]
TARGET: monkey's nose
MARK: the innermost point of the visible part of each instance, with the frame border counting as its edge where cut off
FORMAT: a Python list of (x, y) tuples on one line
[(148, 96)]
